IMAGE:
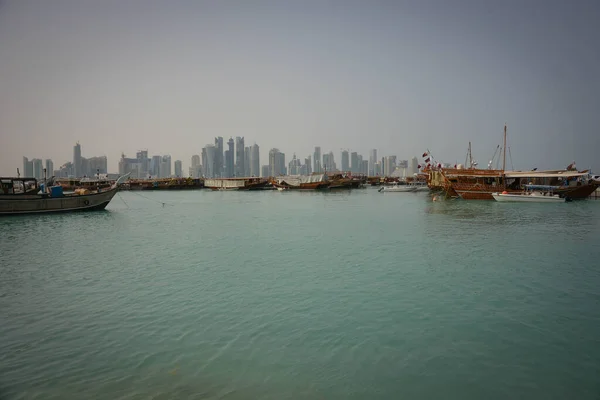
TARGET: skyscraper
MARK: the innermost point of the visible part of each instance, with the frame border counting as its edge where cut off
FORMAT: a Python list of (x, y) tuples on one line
[(415, 165), (165, 167), (155, 166), (295, 166), (208, 161), (178, 169), (307, 167), (239, 156), (345, 161), (38, 168), (196, 168), (328, 162), (27, 168), (265, 171), (143, 163), (372, 161), (247, 161), (254, 160), (229, 156), (77, 161), (219, 157), (354, 167), (276, 163), (317, 159), (98, 165), (281, 164), (49, 167)]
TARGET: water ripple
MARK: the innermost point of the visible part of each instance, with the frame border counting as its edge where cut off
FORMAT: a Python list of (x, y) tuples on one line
[(301, 295)]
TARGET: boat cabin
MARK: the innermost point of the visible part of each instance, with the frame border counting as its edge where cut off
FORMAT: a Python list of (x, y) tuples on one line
[(18, 185)]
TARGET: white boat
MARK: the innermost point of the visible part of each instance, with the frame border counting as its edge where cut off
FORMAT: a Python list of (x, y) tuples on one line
[(398, 188), (532, 194), (419, 186)]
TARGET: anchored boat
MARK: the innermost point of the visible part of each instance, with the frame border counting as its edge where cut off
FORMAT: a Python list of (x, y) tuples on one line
[(14, 200), (398, 188), (532, 194)]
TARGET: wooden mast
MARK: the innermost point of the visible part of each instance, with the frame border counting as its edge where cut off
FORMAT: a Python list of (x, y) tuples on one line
[(504, 150)]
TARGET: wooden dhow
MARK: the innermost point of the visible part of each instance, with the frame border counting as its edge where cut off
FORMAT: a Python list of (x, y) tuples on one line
[(471, 183), (302, 182), (51, 199)]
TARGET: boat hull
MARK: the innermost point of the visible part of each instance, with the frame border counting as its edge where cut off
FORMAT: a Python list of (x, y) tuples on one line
[(40, 204), (578, 192), (527, 198), (398, 189)]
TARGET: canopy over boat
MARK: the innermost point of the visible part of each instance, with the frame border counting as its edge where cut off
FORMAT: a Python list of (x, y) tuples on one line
[(545, 174), (541, 187)]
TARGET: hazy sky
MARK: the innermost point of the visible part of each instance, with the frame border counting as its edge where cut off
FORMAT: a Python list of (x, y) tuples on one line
[(399, 76)]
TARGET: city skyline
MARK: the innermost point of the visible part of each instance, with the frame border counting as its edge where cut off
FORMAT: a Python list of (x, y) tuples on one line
[(399, 77), (214, 161)]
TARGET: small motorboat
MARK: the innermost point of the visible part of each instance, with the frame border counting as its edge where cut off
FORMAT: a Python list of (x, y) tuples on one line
[(398, 188), (532, 194)]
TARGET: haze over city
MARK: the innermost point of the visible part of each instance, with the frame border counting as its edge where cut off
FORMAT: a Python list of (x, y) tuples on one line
[(399, 77)]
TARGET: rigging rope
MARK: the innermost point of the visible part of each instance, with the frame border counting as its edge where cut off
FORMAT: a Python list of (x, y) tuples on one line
[(123, 200), (510, 155), (147, 198)]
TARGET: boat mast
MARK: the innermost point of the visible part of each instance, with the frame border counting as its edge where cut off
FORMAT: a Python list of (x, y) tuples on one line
[(504, 150)]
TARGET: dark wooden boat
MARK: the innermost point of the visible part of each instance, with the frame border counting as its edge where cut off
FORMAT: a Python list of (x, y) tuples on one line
[(339, 181), (51, 199)]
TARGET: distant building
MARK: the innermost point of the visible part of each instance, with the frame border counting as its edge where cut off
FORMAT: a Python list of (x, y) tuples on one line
[(364, 167), (38, 168), (354, 164), (64, 171), (247, 161), (27, 168), (208, 161), (254, 160), (345, 161), (77, 161), (143, 162), (294, 166), (265, 171), (276, 163), (155, 166), (239, 156), (219, 162), (165, 167), (377, 169), (49, 167), (178, 169), (308, 166), (229, 157), (389, 165), (415, 165), (372, 162), (328, 162), (317, 160), (99, 165), (129, 166), (196, 168)]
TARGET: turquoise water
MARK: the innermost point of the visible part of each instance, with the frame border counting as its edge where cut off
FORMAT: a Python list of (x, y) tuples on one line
[(282, 295)]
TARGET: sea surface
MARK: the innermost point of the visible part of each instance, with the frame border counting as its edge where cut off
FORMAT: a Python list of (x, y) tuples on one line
[(287, 295)]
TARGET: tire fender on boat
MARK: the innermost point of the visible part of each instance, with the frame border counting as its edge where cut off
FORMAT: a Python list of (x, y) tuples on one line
[(86, 202)]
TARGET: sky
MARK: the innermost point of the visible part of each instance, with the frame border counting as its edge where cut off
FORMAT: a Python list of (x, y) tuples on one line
[(398, 76)]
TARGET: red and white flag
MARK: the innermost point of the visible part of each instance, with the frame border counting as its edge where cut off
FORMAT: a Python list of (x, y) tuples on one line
[(425, 154)]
